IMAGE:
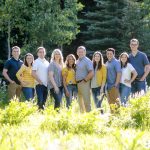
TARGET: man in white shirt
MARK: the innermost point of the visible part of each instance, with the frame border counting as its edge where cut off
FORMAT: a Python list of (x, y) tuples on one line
[(40, 73)]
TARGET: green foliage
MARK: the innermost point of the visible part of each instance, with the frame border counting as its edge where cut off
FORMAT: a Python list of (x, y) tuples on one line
[(34, 23), (16, 112), (136, 115), (70, 122), (23, 127)]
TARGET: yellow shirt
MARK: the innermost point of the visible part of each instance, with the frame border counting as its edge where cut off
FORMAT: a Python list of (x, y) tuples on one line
[(25, 74), (70, 75), (101, 75)]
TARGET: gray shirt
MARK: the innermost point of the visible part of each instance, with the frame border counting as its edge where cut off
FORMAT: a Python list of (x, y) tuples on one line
[(57, 75), (83, 66), (113, 67)]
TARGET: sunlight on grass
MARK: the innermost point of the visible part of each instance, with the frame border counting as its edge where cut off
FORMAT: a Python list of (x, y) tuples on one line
[(24, 127)]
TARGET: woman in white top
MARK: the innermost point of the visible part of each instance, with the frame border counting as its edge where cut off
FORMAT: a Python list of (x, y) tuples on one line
[(128, 76)]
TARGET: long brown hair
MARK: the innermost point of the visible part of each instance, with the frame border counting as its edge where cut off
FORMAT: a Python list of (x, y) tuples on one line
[(100, 63), (67, 61)]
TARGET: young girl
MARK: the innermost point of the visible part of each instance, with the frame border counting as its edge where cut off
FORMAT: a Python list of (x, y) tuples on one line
[(55, 77), (99, 79), (128, 76), (24, 75), (69, 82)]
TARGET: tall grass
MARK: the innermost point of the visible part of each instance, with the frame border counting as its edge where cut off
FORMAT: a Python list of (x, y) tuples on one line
[(22, 126)]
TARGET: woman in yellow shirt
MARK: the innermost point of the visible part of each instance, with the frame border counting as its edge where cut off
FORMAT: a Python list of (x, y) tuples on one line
[(24, 75), (99, 79), (69, 81)]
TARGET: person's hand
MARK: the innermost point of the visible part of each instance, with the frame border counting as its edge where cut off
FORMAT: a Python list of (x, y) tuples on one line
[(23, 83), (142, 79), (127, 81), (12, 82), (67, 93), (116, 85), (40, 82), (56, 90), (101, 91)]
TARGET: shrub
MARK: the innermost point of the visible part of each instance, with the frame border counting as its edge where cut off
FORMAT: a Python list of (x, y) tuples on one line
[(67, 121), (16, 112)]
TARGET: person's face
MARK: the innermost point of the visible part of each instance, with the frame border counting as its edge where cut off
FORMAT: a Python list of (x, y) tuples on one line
[(81, 52), (109, 55), (41, 53), (97, 57), (57, 56), (29, 59), (16, 53), (71, 61), (134, 46), (123, 58)]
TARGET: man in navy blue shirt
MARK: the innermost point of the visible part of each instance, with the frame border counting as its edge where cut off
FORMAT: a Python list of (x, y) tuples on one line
[(10, 69), (141, 64)]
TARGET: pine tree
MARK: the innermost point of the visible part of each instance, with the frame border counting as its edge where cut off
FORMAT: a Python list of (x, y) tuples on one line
[(104, 27)]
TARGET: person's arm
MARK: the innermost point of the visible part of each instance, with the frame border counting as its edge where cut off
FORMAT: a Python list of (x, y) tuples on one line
[(89, 76), (134, 75), (51, 74), (90, 69), (104, 75), (64, 75), (5, 74), (146, 72), (118, 77), (36, 77), (19, 75)]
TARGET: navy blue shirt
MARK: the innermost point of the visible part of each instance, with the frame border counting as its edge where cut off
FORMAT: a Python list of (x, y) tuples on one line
[(13, 65), (139, 61)]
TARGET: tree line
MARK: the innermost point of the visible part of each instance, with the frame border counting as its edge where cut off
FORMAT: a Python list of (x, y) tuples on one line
[(97, 24)]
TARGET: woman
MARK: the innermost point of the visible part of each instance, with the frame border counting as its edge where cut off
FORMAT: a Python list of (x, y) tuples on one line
[(128, 76), (69, 82), (24, 75), (55, 76), (99, 79)]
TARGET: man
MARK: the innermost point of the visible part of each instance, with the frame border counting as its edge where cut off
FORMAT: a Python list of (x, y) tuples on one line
[(84, 73), (11, 67), (113, 77), (40, 73), (141, 64)]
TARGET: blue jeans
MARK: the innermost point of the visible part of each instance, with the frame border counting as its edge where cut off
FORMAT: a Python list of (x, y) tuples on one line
[(124, 93), (41, 92), (96, 94), (72, 89), (138, 86), (28, 92), (57, 97)]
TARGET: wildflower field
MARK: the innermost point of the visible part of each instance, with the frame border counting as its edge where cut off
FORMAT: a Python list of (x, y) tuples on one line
[(23, 127)]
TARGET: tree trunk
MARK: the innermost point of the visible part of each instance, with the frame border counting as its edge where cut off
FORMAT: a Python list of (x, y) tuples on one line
[(42, 43), (8, 40)]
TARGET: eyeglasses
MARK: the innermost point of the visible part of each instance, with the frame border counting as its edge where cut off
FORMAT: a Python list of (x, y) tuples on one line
[(134, 44)]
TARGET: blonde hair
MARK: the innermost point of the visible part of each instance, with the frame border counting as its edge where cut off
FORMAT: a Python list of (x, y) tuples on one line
[(61, 61)]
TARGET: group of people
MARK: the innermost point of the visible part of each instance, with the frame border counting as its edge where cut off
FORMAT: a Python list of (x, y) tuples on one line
[(81, 77)]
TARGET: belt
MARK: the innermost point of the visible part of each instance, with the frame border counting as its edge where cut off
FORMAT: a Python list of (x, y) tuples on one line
[(79, 81)]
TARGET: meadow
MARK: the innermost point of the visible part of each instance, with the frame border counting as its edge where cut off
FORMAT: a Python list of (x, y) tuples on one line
[(24, 127)]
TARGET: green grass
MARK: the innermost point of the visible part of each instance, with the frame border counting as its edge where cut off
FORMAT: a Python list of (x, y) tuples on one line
[(23, 127)]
